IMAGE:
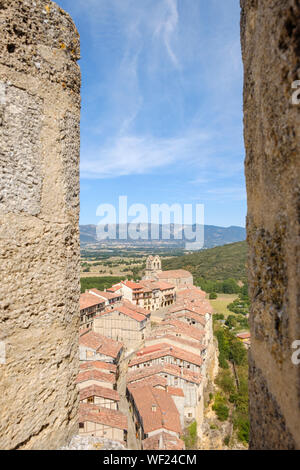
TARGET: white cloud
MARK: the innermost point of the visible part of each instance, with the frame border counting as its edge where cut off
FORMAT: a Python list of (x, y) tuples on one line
[(130, 154), (167, 26)]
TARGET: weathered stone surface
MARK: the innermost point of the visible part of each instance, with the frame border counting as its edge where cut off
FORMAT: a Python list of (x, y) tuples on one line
[(39, 213), (270, 34)]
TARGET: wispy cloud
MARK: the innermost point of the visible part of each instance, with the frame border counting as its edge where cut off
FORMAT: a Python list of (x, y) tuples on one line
[(167, 26), (130, 154)]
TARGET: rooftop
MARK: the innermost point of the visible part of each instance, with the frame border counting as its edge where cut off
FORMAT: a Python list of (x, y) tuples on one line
[(89, 300), (163, 441), (95, 414), (163, 349), (97, 375), (97, 391), (100, 344), (174, 274), (157, 409)]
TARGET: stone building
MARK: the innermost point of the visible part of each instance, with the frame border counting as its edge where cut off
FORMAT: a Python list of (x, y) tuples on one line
[(153, 267), (96, 347), (39, 233), (270, 43), (154, 412), (89, 306), (126, 323), (102, 422)]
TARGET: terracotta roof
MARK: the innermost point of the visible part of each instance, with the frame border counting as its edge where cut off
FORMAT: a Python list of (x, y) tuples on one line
[(97, 391), (126, 310), (132, 285), (191, 291), (174, 274), (136, 308), (106, 295), (92, 374), (114, 288), (164, 337), (100, 344), (188, 314), (158, 369), (163, 441), (244, 335), (98, 365), (153, 381), (157, 409), (95, 414), (176, 392), (184, 328), (161, 350), (89, 300)]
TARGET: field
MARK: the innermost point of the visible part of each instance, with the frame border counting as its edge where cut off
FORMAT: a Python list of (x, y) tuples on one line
[(220, 304)]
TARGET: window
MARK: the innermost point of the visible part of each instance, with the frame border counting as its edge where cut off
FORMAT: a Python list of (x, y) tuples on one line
[(90, 399), (81, 425)]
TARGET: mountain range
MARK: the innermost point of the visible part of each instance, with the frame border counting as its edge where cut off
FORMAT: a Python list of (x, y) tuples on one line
[(213, 235)]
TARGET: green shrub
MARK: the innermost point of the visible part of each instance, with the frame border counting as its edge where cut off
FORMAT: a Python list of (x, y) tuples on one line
[(213, 296)]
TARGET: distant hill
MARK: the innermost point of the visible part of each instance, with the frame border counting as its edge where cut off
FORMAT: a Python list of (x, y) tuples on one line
[(219, 263), (213, 236)]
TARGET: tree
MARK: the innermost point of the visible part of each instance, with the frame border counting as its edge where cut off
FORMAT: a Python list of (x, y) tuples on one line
[(213, 296), (238, 353)]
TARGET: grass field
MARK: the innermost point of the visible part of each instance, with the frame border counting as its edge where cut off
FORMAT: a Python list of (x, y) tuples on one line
[(220, 304)]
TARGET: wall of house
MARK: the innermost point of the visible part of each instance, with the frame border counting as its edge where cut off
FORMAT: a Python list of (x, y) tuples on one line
[(101, 430), (122, 328), (39, 234), (271, 54)]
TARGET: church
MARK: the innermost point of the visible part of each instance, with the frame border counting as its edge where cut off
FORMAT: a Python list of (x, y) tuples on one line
[(178, 277)]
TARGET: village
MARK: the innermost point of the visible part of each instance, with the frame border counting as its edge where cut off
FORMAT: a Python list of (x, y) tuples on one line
[(145, 352)]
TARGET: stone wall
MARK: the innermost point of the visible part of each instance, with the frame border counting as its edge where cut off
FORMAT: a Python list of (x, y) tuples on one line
[(270, 34), (39, 237)]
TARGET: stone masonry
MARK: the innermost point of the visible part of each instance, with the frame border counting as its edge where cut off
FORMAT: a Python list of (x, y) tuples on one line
[(39, 234), (270, 34)]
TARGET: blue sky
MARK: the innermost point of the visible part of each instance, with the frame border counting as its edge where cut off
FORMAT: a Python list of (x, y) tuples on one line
[(161, 105)]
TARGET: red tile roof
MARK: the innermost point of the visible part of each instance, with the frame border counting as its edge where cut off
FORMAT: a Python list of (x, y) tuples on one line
[(244, 335), (98, 365), (100, 344), (164, 337), (163, 369), (153, 381), (158, 351), (126, 310), (176, 392), (97, 375), (89, 300), (157, 409), (132, 285), (95, 414), (114, 288), (184, 328), (163, 441), (97, 391), (188, 314), (106, 295), (174, 274)]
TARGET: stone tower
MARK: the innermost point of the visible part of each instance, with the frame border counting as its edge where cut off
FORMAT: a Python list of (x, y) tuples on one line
[(153, 267), (39, 233), (271, 54)]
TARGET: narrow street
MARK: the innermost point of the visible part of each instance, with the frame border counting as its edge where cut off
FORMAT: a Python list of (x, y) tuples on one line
[(132, 442)]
